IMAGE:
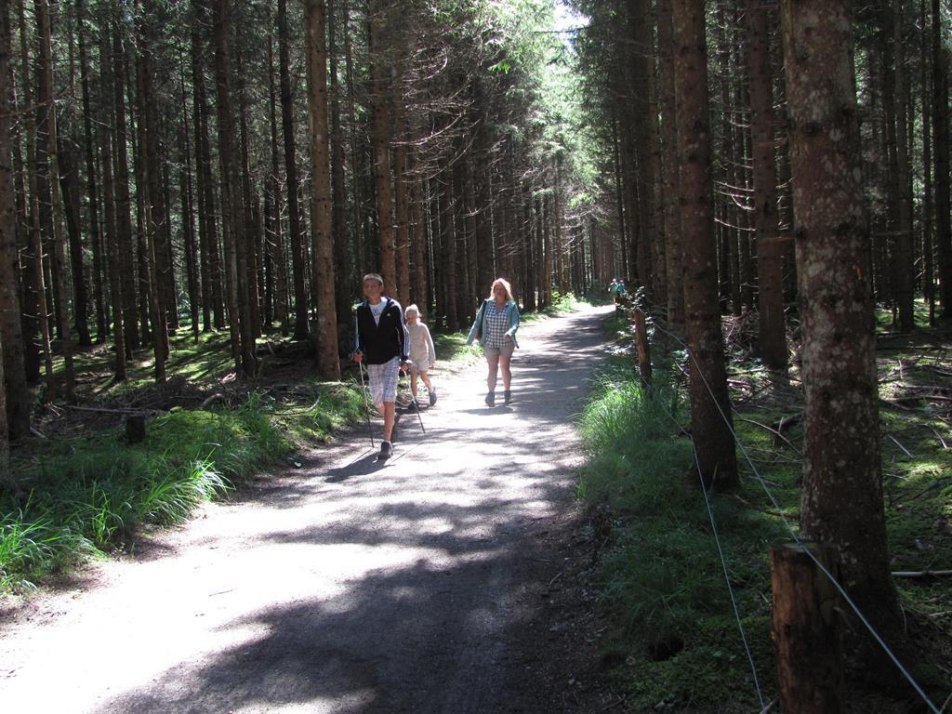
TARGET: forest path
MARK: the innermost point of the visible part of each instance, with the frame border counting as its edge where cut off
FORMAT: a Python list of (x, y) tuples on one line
[(347, 585)]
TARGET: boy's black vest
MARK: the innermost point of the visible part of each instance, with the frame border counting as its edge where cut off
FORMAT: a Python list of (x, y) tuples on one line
[(380, 343)]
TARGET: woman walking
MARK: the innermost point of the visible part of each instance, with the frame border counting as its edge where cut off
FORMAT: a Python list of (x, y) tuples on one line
[(495, 328)]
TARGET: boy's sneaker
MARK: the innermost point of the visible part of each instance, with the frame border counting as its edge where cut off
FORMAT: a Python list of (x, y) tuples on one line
[(507, 396), (432, 397), (386, 451), (491, 399)]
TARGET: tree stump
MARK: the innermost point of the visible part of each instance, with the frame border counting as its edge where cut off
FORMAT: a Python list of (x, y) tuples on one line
[(805, 630), (135, 428)]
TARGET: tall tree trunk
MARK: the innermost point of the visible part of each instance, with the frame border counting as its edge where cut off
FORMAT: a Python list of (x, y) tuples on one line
[(110, 228), (186, 184), (72, 214), (401, 193), (14, 395), (842, 500), (275, 232), (482, 149), (150, 193), (211, 276), (248, 234), (448, 235), (382, 135), (645, 141), (29, 304), (48, 125), (344, 268), (356, 153), (322, 249), (928, 203), (123, 199), (160, 232), (711, 425), (239, 318), (92, 189), (905, 249), (772, 341), (669, 164), (940, 131), (419, 292), (6, 474), (298, 247)]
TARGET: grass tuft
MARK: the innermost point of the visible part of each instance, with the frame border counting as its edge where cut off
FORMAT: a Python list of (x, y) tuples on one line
[(88, 496)]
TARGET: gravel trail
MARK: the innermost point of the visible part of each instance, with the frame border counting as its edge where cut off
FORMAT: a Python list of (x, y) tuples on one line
[(344, 586)]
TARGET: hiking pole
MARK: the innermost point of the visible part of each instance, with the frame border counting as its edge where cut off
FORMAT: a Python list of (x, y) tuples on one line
[(416, 403), (366, 404)]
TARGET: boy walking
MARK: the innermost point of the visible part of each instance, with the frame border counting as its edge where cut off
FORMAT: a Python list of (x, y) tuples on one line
[(382, 343)]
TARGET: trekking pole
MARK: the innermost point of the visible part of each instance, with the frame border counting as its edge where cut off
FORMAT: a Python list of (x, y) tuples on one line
[(416, 404), (363, 389)]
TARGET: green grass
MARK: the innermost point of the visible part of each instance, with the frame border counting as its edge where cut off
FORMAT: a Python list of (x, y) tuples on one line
[(85, 496), (662, 580)]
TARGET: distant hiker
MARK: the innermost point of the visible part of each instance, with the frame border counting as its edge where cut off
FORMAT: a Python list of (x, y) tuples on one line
[(495, 328), (382, 343), (422, 352), (617, 289)]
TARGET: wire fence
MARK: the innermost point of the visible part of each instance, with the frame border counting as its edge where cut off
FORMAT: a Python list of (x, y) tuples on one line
[(654, 324)]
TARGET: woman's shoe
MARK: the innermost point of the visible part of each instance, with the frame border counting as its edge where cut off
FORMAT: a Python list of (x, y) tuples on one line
[(491, 399), (507, 396)]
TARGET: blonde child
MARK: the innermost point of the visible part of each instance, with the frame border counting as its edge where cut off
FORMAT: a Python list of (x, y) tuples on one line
[(422, 352)]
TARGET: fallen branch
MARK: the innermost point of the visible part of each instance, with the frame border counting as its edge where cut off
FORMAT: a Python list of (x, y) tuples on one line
[(103, 410), (921, 573), (773, 431), (904, 449)]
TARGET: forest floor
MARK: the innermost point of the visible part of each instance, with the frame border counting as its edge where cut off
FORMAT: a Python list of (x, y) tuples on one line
[(453, 578)]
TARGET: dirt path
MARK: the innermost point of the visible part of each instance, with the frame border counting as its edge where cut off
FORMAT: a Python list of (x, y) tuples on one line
[(428, 584)]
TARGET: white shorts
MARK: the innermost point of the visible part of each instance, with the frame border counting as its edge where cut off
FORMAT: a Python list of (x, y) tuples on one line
[(383, 381)]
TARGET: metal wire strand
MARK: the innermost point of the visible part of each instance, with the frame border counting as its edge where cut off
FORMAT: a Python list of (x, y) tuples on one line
[(760, 479)]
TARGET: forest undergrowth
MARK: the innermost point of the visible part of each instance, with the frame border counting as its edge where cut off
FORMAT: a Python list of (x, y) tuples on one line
[(674, 643)]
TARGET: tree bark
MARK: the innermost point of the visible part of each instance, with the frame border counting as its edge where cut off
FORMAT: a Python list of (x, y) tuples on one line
[(772, 341), (382, 130), (7, 481), (711, 425), (126, 255), (150, 193), (904, 264), (298, 247), (110, 228), (940, 132), (213, 313), (15, 409), (322, 247), (47, 105), (242, 344), (92, 188), (274, 226), (671, 214), (842, 500)]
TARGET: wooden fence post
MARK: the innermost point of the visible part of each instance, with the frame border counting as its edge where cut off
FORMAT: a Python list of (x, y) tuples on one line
[(806, 630), (641, 342)]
